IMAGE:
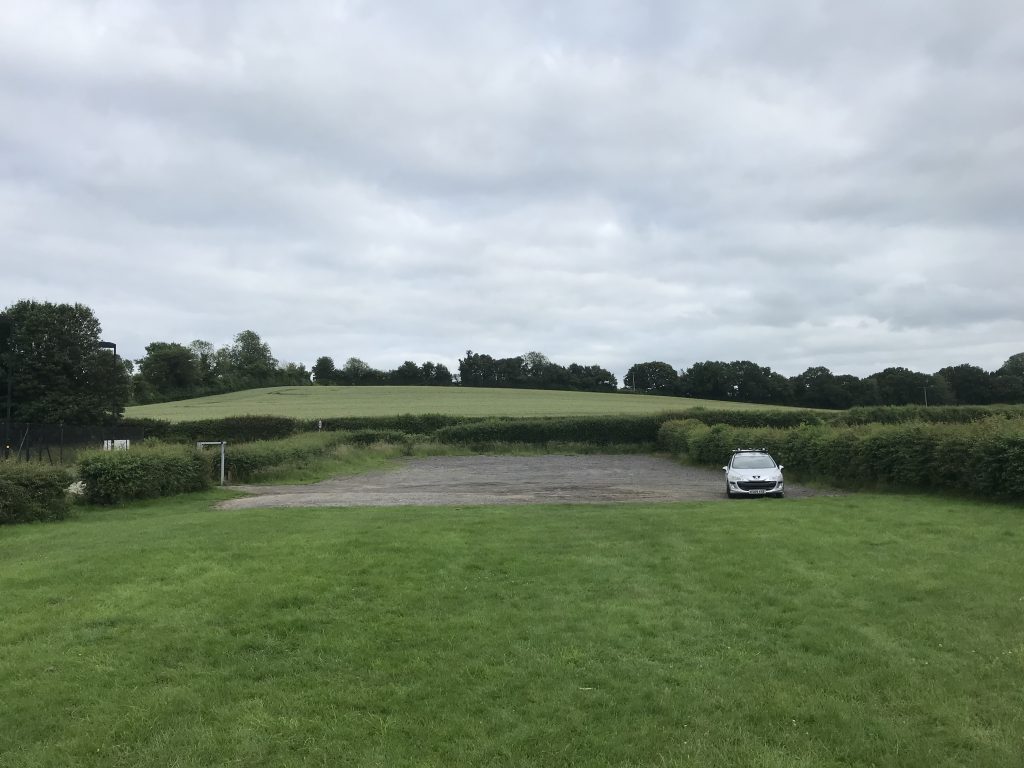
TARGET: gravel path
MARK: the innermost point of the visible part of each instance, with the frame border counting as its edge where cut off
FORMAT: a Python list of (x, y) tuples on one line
[(491, 480)]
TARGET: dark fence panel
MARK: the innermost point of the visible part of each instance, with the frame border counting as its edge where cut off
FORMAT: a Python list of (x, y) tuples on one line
[(57, 443)]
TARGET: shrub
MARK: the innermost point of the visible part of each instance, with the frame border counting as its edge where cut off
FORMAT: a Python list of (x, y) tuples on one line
[(33, 492), (245, 461), (371, 436), (143, 472), (675, 436)]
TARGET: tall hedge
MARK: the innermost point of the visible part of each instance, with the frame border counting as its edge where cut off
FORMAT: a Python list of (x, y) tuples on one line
[(940, 414), (755, 417), (33, 492), (983, 458), (409, 423), (142, 472), (232, 428)]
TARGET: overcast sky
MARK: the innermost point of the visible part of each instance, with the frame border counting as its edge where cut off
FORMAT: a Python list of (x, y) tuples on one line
[(793, 183)]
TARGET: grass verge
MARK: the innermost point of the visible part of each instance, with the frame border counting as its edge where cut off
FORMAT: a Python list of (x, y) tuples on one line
[(859, 630)]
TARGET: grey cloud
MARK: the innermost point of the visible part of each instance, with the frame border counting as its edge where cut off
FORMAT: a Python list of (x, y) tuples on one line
[(796, 184)]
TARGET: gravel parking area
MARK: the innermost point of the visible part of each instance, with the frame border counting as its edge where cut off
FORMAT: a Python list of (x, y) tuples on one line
[(491, 480)]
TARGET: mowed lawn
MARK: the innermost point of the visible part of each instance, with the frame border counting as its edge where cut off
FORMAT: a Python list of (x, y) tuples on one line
[(328, 402), (860, 630)]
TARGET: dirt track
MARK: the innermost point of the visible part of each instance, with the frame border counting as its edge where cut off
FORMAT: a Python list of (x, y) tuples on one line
[(490, 480)]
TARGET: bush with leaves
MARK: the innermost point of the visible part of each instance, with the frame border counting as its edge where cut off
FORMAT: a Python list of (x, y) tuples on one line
[(245, 461), (142, 472), (33, 492)]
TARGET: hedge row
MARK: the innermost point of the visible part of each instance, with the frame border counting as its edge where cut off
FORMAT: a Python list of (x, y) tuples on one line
[(232, 429), (246, 429), (142, 472), (409, 423), (984, 458), (755, 417), (939, 414), (33, 492), (446, 428), (596, 430), (251, 428)]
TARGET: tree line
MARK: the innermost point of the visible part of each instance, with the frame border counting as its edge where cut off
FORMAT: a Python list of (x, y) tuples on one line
[(56, 368), (817, 387), (356, 372)]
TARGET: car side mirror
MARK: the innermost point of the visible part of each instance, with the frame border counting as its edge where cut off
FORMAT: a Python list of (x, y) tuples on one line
[(725, 468), (781, 467)]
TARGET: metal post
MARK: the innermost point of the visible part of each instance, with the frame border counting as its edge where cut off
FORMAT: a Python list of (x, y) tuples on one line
[(7, 359), (223, 446), (7, 418)]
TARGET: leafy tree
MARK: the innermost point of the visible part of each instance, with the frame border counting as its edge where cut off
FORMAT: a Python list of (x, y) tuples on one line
[(969, 384), (817, 387), (901, 386), (540, 373), (435, 374), (168, 371), (859, 391), (1007, 389), (510, 372), (711, 380), (407, 373), (59, 371), (591, 378), (653, 378), (1014, 366), (939, 391), (252, 364), (205, 356), (355, 371), (293, 375), (324, 371), (477, 370), (753, 383)]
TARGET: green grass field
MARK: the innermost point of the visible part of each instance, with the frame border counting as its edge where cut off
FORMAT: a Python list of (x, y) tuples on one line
[(852, 631), (328, 402)]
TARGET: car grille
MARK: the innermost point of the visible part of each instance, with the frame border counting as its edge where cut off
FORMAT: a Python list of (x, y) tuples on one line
[(756, 485)]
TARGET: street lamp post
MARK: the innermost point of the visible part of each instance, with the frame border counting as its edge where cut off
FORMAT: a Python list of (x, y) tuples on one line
[(113, 405), (7, 415), (7, 358)]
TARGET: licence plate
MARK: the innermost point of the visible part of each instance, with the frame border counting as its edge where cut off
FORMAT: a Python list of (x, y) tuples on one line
[(757, 493)]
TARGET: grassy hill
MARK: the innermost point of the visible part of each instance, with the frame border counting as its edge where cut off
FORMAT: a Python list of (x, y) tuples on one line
[(327, 402)]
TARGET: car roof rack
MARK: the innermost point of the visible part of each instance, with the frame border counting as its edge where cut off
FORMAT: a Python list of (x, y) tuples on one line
[(750, 450)]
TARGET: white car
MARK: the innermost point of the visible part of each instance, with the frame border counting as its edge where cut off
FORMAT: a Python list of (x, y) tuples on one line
[(753, 472)]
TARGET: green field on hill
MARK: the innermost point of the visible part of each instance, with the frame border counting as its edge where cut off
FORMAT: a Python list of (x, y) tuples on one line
[(331, 402), (859, 630)]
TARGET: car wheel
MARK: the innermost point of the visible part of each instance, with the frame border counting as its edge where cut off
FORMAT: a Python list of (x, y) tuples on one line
[(728, 493)]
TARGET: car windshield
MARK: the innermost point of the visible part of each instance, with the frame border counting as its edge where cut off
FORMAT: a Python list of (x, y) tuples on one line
[(752, 461)]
